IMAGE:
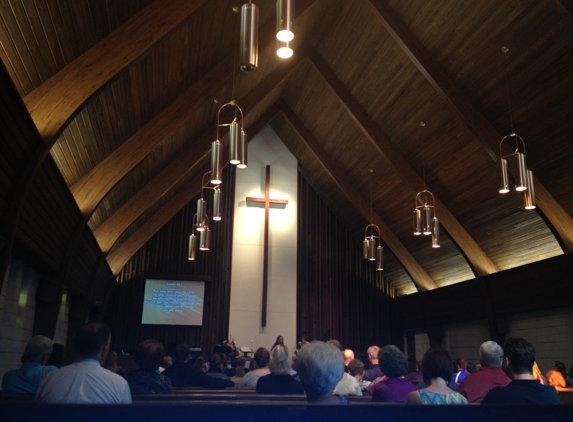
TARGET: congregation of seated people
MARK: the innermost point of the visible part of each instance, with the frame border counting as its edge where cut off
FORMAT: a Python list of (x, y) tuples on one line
[(323, 372)]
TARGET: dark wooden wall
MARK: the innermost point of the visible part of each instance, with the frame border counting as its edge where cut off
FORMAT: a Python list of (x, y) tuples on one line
[(339, 294), (166, 253)]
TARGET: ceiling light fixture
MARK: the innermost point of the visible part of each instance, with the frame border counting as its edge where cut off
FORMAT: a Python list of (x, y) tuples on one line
[(425, 221), (372, 244), (285, 18), (249, 37), (523, 177)]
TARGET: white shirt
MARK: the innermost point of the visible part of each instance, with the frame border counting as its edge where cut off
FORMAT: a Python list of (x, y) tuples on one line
[(348, 386), (84, 382)]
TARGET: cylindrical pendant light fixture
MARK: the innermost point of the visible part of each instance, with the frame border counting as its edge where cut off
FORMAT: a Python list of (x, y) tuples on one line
[(284, 51), (192, 247), (216, 148), (243, 145), (205, 240), (503, 178), (417, 220), (520, 172), (217, 204), (201, 214), (372, 248), (365, 245), (379, 258), (249, 37), (435, 233), (285, 19), (234, 143), (529, 194), (426, 220)]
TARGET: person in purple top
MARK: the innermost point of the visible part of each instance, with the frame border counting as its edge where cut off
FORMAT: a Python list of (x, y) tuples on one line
[(396, 388)]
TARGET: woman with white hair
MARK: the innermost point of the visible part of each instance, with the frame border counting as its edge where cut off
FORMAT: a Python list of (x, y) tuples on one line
[(280, 380)]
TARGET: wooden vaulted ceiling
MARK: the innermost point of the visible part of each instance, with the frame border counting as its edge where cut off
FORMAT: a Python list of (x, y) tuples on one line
[(126, 94)]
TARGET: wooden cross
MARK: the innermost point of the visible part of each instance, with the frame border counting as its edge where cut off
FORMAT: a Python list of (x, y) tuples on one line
[(267, 201)]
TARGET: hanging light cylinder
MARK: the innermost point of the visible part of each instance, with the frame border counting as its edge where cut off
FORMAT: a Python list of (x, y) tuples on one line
[(529, 194), (520, 172), (285, 19), (205, 240), (201, 214), (435, 233), (503, 177), (372, 248), (216, 173), (284, 51), (192, 247), (243, 144), (365, 246), (379, 258), (217, 204), (426, 220), (249, 37), (234, 142), (417, 220)]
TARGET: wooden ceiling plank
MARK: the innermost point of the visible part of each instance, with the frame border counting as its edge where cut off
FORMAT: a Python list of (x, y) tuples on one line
[(94, 186), (422, 280), (476, 122), (477, 259), (111, 229), (122, 253), (54, 103)]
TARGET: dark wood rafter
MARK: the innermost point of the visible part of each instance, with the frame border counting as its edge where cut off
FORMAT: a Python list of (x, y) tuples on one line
[(123, 252), (54, 103), (476, 122), (108, 233), (422, 280), (478, 260)]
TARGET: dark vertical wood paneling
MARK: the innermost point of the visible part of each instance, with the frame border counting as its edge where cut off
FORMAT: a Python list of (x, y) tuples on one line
[(166, 253), (339, 294)]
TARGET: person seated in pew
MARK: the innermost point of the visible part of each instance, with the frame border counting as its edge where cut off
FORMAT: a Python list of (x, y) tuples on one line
[(356, 369), (262, 358), (348, 385), (437, 371), (320, 366), (280, 380), (85, 381), (27, 378), (182, 374), (523, 389), (147, 379), (217, 368), (395, 388)]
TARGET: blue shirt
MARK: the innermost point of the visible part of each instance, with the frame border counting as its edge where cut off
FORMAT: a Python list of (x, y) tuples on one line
[(26, 379)]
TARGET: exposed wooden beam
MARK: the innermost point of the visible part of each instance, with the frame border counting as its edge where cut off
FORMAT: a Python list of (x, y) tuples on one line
[(478, 260), (55, 103), (122, 253), (476, 122), (422, 280), (110, 230)]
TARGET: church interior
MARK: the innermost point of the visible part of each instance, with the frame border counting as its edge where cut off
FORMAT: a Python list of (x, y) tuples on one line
[(389, 133)]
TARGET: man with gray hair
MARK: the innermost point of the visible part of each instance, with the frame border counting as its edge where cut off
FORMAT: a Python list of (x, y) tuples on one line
[(26, 379), (320, 366), (475, 386), (374, 371)]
